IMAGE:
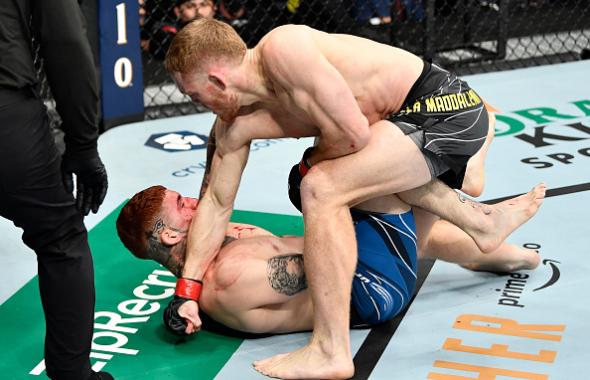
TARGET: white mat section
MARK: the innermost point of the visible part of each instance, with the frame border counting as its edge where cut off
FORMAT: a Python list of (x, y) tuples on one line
[(450, 292)]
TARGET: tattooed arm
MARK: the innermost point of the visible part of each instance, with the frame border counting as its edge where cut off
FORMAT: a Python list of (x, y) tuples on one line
[(286, 274), (294, 312), (258, 285)]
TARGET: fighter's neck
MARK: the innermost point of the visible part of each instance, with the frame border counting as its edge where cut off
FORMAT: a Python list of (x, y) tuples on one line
[(252, 82)]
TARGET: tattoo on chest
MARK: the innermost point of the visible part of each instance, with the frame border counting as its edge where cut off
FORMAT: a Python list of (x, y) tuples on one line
[(286, 274)]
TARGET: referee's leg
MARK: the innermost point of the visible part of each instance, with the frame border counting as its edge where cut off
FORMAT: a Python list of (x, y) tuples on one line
[(33, 197)]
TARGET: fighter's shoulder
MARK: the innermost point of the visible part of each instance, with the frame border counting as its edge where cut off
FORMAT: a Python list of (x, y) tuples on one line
[(283, 39)]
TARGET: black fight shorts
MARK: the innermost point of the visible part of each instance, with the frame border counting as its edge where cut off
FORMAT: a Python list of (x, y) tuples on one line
[(446, 119)]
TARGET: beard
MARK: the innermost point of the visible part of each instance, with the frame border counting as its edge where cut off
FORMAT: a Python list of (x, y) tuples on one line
[(230, 111), (225, 106)]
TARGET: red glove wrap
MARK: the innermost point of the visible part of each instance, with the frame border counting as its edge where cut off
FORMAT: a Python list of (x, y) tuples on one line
[(304, 166), (188, 288)]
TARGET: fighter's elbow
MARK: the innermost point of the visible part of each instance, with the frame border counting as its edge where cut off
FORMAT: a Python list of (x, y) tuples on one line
[(359, 136)]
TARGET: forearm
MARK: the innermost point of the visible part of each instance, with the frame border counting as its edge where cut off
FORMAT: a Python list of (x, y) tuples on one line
[(208, 227), (325, 150), (345, 142), (206, 234)]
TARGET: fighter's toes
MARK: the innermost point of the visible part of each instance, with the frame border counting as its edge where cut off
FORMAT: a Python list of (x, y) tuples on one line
[(265, 364)]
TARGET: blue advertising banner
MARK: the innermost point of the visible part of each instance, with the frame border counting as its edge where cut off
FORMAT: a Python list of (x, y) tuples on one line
[(120, 62)]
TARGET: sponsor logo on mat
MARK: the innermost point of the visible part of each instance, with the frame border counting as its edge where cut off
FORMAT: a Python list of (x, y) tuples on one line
[(180, 141), (542, 127), (255, 146), (515, 285), (540, 338), (555, 274)]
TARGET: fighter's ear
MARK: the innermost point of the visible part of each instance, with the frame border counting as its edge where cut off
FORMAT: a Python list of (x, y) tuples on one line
[(171, 237), (217, 80)]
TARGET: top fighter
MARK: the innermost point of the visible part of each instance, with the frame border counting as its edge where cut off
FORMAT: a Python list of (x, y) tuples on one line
[(348, 91)]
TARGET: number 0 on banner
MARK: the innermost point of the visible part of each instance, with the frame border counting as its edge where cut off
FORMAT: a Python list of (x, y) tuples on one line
[(122, 90)]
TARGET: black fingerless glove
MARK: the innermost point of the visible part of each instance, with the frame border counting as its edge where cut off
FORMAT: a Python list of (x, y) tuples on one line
[(172, 320)]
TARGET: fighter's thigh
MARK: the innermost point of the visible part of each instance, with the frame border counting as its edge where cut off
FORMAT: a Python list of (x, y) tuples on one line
[(391, 162)]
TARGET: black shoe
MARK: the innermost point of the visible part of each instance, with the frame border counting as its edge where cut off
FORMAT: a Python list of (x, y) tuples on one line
[(101, 376)]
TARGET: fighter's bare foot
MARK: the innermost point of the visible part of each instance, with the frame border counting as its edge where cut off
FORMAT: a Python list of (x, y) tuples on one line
[(309, 362), (505, 217), (506, 259)]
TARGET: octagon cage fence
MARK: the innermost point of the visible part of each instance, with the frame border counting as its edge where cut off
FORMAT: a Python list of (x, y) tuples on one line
[(466, 36)]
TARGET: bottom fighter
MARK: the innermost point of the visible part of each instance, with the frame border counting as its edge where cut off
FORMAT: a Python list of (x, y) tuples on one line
[(257, 282)]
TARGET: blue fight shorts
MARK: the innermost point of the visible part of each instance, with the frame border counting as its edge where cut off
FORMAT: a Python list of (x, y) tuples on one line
[(386, 271)]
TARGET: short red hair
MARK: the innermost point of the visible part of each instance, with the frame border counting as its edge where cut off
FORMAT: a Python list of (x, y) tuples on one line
[(136, 220), (201, 40)]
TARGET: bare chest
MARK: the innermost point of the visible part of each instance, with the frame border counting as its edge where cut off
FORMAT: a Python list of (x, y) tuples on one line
[(293, 121)]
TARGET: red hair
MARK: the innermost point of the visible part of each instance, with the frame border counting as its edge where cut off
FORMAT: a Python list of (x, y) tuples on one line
[(136, 220), (201, 40)]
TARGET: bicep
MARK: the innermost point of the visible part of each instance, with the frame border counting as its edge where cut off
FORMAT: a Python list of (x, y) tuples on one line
[(319, 90)]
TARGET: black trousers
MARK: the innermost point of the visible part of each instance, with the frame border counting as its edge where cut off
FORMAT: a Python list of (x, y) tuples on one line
[(33, 198)]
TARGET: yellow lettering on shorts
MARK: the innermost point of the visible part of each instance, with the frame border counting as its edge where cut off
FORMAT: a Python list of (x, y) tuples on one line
[(416, 107), (440, 106), (447, 103), (462, 100), (430, 105), (454, 102), (473, 98)]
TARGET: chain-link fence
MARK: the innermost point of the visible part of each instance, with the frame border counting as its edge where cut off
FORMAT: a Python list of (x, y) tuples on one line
[(468, 36)]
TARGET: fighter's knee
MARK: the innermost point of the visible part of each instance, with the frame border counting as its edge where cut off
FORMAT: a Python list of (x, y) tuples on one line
[(318, 189)]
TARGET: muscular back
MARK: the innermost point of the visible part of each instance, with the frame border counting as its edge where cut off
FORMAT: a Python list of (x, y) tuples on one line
[(252, 274), (380, 76)]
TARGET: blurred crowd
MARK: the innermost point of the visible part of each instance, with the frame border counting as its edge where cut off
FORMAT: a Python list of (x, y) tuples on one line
[(160, 20)]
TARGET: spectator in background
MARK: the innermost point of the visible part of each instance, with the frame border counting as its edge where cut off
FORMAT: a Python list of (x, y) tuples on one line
[(252, 19), (414, 10), (164, 31), (144, 38), (373, 11), (232, 10)]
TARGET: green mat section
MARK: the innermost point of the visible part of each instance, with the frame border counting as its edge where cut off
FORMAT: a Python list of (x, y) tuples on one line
[(130, 340)]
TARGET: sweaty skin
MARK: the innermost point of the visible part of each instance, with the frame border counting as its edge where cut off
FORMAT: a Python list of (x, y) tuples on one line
[(257, 284), (243, 289), (339, 88)]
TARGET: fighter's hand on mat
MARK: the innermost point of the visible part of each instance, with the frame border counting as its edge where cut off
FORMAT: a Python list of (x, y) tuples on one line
[(174, 321), (91, 180), (190, 312), (186, 295), (296, 176)]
